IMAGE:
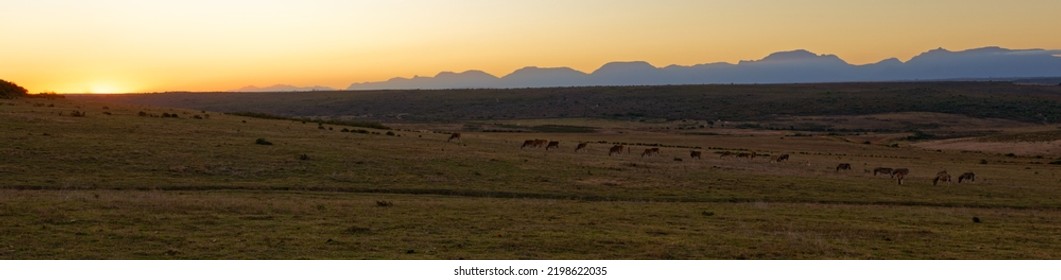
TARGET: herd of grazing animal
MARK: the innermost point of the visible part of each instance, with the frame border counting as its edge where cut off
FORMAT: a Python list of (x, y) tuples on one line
[(941, 177), (896, 173)]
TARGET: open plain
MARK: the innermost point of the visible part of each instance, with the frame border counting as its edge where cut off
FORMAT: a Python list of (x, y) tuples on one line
[(110, 177)]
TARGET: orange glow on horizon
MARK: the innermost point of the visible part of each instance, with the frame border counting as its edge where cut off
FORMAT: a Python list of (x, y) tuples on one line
[(118, 46)]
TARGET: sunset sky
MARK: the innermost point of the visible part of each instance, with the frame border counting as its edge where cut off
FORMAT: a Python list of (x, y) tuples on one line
[(198, 45)]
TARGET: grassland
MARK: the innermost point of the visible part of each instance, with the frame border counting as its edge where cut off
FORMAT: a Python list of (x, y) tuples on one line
[(116, 183)]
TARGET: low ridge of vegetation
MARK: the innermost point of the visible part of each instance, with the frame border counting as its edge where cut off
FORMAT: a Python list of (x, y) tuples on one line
[(365, 124), (1003, 100)]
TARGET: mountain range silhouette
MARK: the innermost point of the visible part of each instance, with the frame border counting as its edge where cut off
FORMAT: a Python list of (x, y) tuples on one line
[(795, 66)]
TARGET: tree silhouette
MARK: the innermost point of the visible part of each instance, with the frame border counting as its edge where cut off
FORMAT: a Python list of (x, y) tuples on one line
[(11, 90)]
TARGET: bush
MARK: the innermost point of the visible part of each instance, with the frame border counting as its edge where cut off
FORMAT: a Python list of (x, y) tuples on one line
[(11, 90), (262, 141)]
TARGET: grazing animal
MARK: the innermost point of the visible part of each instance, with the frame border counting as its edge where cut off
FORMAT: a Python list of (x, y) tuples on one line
[(617, 149), (899, 174), (581, 146), (553, 144), (967, 176), (745, 155), (650, 151), (882, 170), (534, 143), (694, 154), (454, 136), (782, 157), (527, 143), (941, 176), (843, 166)]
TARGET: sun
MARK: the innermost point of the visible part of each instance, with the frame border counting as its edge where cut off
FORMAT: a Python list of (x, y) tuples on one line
[(106, 88)]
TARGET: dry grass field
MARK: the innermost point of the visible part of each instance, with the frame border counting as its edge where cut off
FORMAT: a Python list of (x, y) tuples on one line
[(123, 182)]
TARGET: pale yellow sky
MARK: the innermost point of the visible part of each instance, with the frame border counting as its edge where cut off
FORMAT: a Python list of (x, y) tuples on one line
[(200, 45)]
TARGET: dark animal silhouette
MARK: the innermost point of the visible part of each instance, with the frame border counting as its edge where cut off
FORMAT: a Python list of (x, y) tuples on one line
[(782, 157), (899, 174), (454, 136), (552, 144), (941, 176), (967, 176), (533, 143), (617, 149), (581, 146), (694, 154), (843, 166), (650, 151)]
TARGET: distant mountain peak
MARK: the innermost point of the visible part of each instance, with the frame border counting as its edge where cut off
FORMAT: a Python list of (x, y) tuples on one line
[(987, 49), (623, 66), (790, 55), (469, 73), (536, 71), (890, 61)]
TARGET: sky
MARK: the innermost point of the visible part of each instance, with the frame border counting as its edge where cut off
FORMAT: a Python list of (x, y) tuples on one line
[(109, 46)]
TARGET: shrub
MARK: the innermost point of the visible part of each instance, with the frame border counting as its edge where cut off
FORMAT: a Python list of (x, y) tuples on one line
[(11, 90)]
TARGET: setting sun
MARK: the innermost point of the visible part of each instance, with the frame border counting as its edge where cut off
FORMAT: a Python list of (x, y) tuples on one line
[(103, 88)]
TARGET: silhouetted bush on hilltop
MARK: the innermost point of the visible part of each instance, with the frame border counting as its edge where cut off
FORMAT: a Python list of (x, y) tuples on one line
[(11, 90)]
